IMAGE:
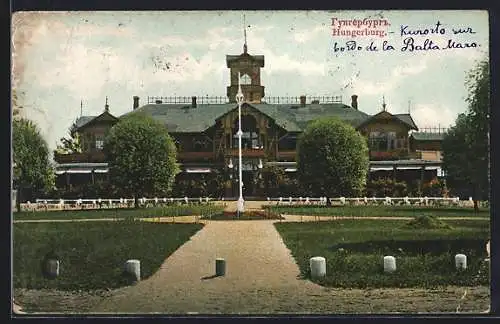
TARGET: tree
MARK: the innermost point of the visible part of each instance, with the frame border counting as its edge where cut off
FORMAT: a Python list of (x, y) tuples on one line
[(141, 157), (16, 106), (70, 144), (32, 167), (332, 159), (466, 145)]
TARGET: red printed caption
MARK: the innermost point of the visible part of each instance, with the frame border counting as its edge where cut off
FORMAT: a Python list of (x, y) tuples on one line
[(359, 27)]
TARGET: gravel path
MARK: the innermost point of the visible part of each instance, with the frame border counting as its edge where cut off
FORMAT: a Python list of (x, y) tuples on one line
[(262, 278)]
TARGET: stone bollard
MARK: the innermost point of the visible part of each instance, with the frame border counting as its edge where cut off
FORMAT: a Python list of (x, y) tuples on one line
[(50, 266), (461, 261), (133, 267), (318, 267), (220, 267), (389, 264)]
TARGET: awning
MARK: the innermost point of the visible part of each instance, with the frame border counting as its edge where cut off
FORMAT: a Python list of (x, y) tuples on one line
[(381, 168), (79, 171), (198, 170), (290, 170), (409, 168)]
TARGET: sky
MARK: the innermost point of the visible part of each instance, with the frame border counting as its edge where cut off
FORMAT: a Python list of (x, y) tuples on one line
[(66, 63)]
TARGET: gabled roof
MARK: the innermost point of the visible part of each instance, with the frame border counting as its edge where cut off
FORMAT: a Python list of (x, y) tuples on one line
[(84, 121), (404, 118), (423, 136), (184, 118)]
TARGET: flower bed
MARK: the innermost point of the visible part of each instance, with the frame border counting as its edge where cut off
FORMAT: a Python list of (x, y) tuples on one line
[(247, 215)]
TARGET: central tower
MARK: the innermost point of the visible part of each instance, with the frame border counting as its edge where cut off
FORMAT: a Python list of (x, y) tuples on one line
[(249, 68)]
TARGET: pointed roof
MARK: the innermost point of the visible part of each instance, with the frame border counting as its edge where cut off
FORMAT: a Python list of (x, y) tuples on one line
[(85, 121), (82, 121), (403, 118), (187, 119), (407, 119)]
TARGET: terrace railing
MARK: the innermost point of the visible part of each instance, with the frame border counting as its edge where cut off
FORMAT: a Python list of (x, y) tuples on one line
[(390, 201), (210, 100), (100, 203)]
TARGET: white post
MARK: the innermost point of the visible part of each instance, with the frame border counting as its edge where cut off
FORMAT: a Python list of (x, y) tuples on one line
[(389, 263), (239, 99), (317, 266)]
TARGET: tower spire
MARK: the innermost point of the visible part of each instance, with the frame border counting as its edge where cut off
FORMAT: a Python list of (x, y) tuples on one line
[(383, 103), (245, 48), (81, 108), (409, 106), (106, 106)]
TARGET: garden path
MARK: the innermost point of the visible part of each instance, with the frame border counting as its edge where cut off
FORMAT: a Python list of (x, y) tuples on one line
[(262, 278)]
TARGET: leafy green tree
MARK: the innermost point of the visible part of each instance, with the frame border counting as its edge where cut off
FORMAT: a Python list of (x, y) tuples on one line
[(71, 143), (141, 156), (31, 165), (466, 145), (272, 177), (16, 106), (332, 159)]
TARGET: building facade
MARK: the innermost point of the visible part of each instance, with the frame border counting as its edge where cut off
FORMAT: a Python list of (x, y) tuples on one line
[(204, 130)]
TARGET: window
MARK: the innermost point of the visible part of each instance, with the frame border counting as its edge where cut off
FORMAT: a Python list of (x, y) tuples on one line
[(99, 142), (245, 79), (378, 141), (391, 140)]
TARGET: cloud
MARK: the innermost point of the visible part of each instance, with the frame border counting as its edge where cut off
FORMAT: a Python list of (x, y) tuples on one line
[(409, 68), (286, 63), (432, 115), (365, 87), (308, 34)]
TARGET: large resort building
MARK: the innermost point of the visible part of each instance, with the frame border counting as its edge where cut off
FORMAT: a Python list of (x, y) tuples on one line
[(204, 130)]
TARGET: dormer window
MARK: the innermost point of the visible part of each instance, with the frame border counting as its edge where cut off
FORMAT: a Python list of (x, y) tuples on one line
[(246, 80)]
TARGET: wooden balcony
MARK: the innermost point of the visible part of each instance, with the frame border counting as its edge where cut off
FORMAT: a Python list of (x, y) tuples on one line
[(257, 153), (287, 155), (86, 157), (192, 156)]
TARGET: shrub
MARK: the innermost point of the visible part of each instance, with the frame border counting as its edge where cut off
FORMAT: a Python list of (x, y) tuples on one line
[(386, 187), (427, 222)]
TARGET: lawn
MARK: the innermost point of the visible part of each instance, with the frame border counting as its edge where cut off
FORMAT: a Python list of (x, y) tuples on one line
[(122, 213), (92, 254), (354, 251), (374, 211)]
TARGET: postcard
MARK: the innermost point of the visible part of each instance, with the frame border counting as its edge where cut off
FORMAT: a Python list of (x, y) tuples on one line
[(251, 162)]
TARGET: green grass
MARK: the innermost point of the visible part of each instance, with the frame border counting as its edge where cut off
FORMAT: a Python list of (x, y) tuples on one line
[(354, 251), (92, 254), (172, 210), (386, 211)]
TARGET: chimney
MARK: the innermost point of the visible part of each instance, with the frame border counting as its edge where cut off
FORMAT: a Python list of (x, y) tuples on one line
[(354, 102), (136, 102), (302, 101), (193, 101)]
